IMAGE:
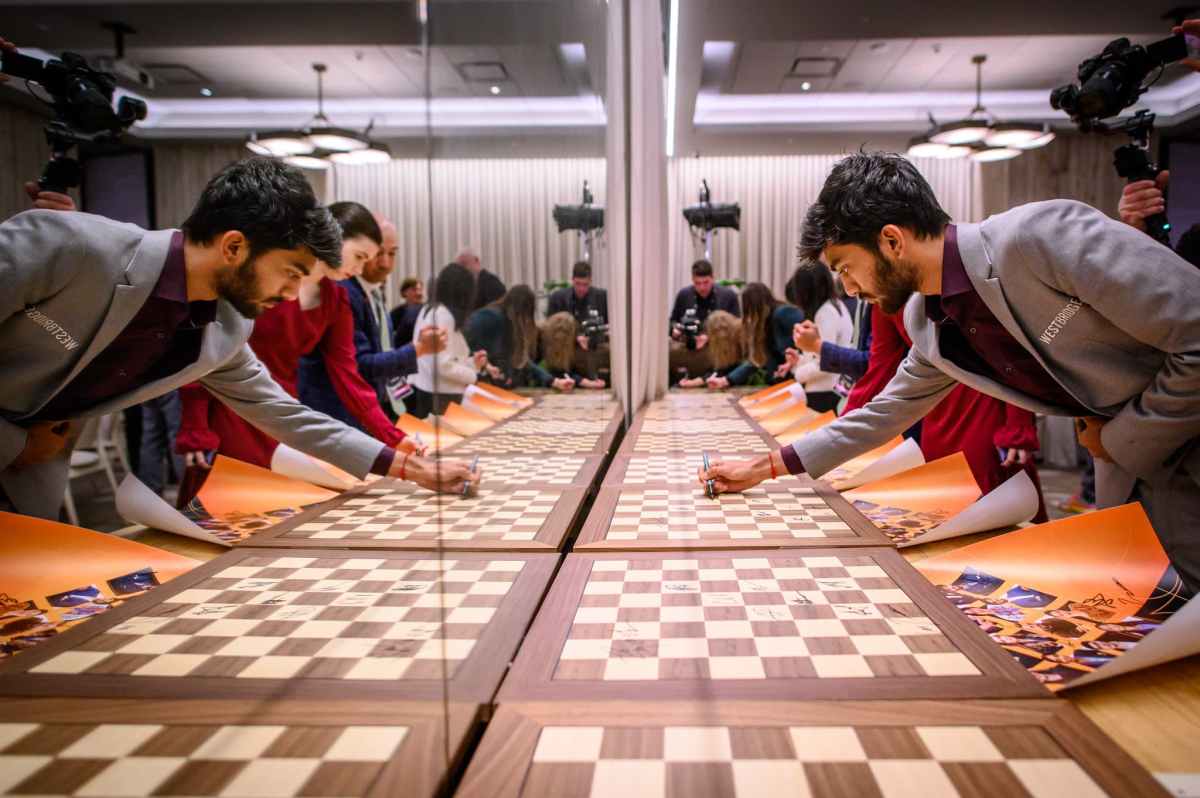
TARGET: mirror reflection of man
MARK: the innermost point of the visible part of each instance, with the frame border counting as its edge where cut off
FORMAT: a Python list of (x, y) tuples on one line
[(488, 287), (404, 315), (589, 306), (692, 306)]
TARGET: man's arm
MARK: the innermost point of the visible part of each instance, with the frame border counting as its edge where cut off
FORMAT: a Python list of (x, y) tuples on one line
[(602, 303), (729, 302), (1146, 291), (244, 385), (557, 304), (679, 308)]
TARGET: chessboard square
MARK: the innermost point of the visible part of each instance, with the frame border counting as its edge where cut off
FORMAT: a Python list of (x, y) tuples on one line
[(379, 668), (569, 744), (597, 588), (153, 644), (639, 599), (583, 649), (913, 778), (193, 596), (631, 669), (879, 645), (770, 777), (505, 566), (820, 627), (681, 614), (450, 649), (240, 743), (230, 627), (382, 614), (913, 626), (596, 615), (347, 648), (171, 665), (239, 572), (361, 564), (296, 612), (959, 744), (1047, 778), (292, 562), (249, 646), (470, 615), (135, 776), (736, 668), (629, 778), (71, 662), (946, 664), (893, 596), (140, 625), (781, 646), (826, 744), (12, 732), (110, 741), (366, 744), (610, 565), (16, 769), (683, 648), (728, 630), (273, 667), (696, 744), (270, 778), (445, 600), (841, 666)]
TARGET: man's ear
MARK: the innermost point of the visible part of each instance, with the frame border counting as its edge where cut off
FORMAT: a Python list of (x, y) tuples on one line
[(892, 240), (233, 247)]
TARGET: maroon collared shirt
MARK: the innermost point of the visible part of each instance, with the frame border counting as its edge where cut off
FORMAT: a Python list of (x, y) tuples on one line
[(971, 337), (162, 339)]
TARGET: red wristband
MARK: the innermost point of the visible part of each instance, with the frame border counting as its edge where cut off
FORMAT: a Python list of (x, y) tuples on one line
[(403, 463), (771, 460)]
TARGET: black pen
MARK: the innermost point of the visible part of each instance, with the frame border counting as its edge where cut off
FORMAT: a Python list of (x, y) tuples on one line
[(710, 488), (467, 485)]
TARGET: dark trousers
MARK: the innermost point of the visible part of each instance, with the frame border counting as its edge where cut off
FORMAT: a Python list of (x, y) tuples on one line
[(423, 403), (821, 401), (160, 425)]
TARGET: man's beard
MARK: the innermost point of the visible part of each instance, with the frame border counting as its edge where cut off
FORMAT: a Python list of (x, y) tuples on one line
[(240, 289), (894, 284)]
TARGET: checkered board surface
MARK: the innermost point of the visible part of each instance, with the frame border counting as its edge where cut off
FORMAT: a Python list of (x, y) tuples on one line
[(940, 751), (501, 443), (699, 441), (589, 401), (384, 516), (555, 469), (680, 468), (757, 619), (143, 759), (264, 619), (276, 749), (695, 426), (536, 426), (787, 513)]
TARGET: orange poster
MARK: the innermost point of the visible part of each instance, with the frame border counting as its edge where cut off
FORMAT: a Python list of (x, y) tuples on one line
[(436, 437), (775, 402), (758, 396), (916, 501), (798, 431), (786, 418), (494, 409), (1069, 597), (464, 421), (239, 499), (503, 395), (859, 470), (55, 576)]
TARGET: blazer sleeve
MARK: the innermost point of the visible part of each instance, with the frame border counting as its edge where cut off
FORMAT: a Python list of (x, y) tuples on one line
[(1146, 291), (337, 352), (373, 364), (915, 390), (843, 360), (244, 385)]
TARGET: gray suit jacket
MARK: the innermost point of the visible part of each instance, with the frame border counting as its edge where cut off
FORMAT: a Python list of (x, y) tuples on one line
[(69, 283), (1111, 314)]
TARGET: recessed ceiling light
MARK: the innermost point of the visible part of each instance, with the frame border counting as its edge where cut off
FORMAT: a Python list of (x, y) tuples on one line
[(805, 86), (206, 92), (495, 89)]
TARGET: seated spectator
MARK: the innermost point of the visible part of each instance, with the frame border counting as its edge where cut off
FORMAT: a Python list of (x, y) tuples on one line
[(488, 287), (404, 316), (558, 335), (687, 355), (506, 330), (767, 328), (811, 289), (726, 349), (585, 303), (442, 378)]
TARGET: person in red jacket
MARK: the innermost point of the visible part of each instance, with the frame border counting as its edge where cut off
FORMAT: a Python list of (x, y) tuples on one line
[(320, 320), (966, 420)]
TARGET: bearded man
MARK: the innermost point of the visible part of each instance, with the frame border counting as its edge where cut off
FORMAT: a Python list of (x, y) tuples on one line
[(98, 315), (1050, 306)]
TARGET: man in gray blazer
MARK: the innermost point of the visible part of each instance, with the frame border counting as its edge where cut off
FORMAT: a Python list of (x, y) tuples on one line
[(1050, 306), (97, 315)]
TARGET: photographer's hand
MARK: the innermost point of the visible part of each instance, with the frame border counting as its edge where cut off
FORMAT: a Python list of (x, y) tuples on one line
[(1190, 27), (1141, 200), (49, 200), (582, 341)]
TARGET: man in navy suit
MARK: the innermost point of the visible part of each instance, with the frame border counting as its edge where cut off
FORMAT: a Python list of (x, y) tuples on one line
[(380, 363)]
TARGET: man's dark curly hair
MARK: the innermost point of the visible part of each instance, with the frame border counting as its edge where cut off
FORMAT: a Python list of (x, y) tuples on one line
[(269, 202), (865, 192)]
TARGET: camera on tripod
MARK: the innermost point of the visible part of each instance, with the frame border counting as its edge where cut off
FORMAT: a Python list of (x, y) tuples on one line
[(1108, 84), (690, 327), (595, 328), (82, 99)]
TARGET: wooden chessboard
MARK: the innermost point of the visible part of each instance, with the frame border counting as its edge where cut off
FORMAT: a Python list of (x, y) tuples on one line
[(280, 749), (852, 749), (308, 622), (821, 623)]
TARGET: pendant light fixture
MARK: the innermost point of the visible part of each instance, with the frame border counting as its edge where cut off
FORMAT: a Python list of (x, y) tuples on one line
[(979, 135), (319, 144)]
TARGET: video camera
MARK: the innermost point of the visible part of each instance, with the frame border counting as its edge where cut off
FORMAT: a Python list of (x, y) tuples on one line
[(691, 328), (82, 99), (708, 216), (1111, 82), (595, 328)]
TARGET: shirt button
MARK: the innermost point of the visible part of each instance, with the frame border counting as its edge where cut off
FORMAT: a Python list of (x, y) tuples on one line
[(121, 373), (161, 336), (1008, 369), (972, 331)]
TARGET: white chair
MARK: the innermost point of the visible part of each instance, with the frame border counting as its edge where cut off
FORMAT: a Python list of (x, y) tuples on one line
[(92, 455)]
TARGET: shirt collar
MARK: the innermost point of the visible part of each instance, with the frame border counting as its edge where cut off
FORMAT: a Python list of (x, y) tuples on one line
[(172, 282), (954, 273), (367, 286)]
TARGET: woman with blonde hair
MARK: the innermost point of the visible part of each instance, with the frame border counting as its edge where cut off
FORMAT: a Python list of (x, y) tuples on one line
[(505, 329), (558, 335), (767, 326), (725, 349)]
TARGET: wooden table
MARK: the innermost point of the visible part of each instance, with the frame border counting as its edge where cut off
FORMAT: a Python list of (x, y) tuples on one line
[(1154, 714)]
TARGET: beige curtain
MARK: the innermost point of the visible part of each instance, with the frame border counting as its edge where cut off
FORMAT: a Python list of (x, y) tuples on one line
[(774, 192), (500, 207), (1073, 166)]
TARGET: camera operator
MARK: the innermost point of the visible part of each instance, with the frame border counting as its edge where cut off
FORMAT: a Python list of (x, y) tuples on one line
[(1051, 306), (688, 314), (589, 307)]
